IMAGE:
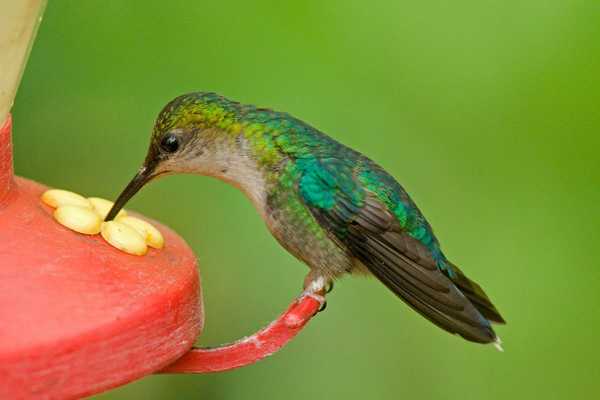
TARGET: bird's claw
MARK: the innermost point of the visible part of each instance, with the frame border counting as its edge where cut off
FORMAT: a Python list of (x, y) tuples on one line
[(329, 287), (323, 306)]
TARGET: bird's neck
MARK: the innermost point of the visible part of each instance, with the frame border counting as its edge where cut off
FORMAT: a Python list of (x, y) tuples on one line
[(242, 164)]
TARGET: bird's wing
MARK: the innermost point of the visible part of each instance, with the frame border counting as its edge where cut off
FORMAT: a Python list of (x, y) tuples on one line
[(357, 217)]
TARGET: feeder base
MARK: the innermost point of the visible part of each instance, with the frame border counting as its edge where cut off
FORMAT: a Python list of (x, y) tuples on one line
[(78, 316)]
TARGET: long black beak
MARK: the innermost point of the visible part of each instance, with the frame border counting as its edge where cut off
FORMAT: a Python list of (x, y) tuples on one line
[(144, 175)]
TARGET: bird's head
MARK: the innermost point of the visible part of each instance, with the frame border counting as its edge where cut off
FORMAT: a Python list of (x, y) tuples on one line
[(190, 135)]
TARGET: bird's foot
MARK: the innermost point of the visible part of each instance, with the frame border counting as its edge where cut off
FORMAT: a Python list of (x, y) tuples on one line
[(316, 288)]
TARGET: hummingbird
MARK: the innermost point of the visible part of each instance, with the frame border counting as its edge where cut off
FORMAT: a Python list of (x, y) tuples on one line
[(331, 207)]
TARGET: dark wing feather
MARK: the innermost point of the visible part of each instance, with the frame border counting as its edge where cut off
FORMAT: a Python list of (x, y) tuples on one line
[(476, 295), (375, 218), (404, 265), (374, 236)]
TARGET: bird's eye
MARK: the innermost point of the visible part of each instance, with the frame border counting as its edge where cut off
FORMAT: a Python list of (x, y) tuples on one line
[(169, 143)]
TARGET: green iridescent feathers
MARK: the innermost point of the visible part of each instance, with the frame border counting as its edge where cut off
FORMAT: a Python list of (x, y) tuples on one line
[(327, 168)]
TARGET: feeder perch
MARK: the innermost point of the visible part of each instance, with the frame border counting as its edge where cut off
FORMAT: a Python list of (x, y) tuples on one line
[(79, 317)]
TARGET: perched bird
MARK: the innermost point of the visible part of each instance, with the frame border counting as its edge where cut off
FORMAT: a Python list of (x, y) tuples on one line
[(330, 206)]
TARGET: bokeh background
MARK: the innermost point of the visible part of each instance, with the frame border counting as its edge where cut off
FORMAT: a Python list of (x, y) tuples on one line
[(487, 111)]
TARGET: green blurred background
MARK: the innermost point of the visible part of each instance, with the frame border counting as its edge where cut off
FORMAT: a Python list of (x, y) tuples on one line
[(487, 112)]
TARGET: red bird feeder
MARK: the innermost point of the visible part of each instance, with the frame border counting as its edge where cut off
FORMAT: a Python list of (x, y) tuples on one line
[(78, 316)]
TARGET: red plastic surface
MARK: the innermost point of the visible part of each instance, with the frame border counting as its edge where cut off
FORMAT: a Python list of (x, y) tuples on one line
[(252, 348), (78, 316), (6, 164)]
